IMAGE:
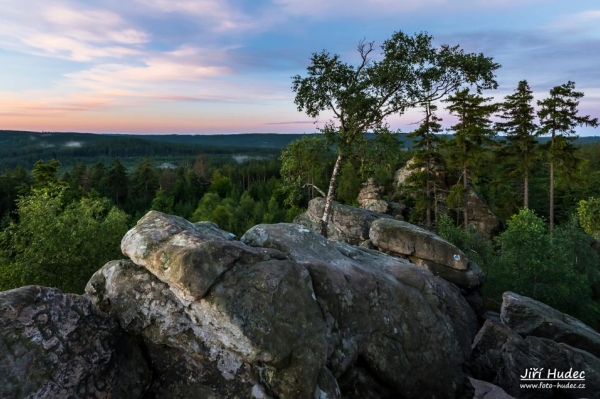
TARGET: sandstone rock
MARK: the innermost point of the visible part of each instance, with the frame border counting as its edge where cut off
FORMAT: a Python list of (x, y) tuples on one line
[(501, 356), (369, 197), (392, 327), (427, 250), (189, 257), (527, 316), (243, 320), (480, 215), (404, 239), (347, 224), (56, 345), (485, 390)]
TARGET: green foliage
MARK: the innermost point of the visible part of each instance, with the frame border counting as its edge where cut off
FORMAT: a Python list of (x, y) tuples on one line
[(163, 202), (222, 185), (303, 165), (561, 270), (553, 269), (472, 136), (588, 213), (59, 245)]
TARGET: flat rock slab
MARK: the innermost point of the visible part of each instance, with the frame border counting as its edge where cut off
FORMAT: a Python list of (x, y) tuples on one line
[(405, 239), (56, 345)]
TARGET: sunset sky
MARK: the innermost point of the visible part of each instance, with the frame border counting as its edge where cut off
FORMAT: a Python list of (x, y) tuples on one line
[(225, 66)]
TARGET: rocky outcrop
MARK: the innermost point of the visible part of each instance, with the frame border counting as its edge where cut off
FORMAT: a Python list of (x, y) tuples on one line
[(504, 358), (530, 317), (347, 223), (534, 344), (377, 308), (427, 250), (56, 345), (285, 313), (369, 197), (398, 238)]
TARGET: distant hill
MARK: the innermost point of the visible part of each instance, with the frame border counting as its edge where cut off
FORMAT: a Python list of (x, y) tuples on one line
[(25, 148)]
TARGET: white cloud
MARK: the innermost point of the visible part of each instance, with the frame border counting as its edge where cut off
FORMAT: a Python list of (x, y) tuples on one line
[(68, 32), (583, 22)]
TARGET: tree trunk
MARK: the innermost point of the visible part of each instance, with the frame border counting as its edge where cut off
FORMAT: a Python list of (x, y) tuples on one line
[(526, 191), (331, 193), (435, 207), (465, 197), (427, 197), (551, 219)]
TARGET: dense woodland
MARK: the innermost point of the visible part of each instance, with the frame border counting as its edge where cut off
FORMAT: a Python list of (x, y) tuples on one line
[(64, 206)]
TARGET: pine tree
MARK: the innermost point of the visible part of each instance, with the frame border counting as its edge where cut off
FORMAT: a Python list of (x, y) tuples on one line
[(518, 115), (559, 118), (472, 134)]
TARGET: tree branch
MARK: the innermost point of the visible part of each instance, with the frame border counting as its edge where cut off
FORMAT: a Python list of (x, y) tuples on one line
[(316, 188)]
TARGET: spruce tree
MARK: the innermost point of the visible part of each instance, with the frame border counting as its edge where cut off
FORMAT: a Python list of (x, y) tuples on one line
[(427, 160), (472, 134), (520, 129), (559, 118)]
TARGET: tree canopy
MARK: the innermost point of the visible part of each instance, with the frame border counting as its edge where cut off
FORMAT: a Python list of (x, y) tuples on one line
[(410, 70)]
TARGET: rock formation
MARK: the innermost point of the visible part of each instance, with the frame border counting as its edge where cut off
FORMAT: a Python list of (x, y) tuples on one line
[(347, 224), (284, 313), (369, 197), (55, 345), (534, 336), (398, 238)]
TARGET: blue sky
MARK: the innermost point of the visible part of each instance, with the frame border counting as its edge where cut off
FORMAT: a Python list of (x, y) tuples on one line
[(210, 66)]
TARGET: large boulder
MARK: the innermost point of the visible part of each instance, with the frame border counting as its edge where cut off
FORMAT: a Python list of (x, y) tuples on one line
[(56, 345), (427, 250), (283, 314), (527, 316), (504, 358), (392, 327), (347, 223), (239, 321)]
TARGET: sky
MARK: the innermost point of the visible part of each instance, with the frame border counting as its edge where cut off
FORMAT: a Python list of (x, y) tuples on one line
[(225, 66)]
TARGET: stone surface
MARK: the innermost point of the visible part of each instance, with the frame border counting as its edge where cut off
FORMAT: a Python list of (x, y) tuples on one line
[(527, 316), (347, 223), (392, 328), (485, 390), (500, 356), (405, 239), (246, 316), (56, 345), (369, 197)]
